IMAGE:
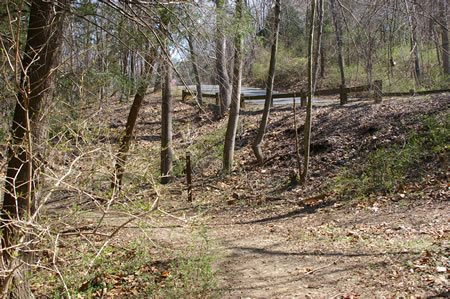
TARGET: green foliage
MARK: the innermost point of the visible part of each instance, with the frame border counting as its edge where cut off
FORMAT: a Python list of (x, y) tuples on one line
[(288, 66), (292, 29), (391, 166), (400, 80)]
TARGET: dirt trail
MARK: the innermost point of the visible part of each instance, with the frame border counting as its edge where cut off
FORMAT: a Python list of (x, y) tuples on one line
[(366, 253)]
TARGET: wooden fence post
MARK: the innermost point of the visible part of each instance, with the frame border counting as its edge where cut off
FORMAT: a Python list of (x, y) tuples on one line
[(217, 99), (378, 89), (242, 101), (343, 95), (189, 175), (302, 98), (183, 94)]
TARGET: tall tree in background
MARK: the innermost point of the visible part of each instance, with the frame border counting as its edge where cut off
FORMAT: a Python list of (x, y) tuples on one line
[(308, 120), (193, 55), (444, 34), (318, 54), (412, 21), (223, 79), (338, 30), (230, 135), (33, 78), (256, 146)]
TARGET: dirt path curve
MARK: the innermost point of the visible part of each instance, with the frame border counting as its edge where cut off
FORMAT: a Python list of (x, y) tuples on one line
[(288, 252)]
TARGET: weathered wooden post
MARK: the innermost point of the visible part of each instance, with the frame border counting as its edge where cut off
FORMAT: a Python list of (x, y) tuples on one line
[(242, 101), (378, 89), (303, 98), (217, 99), (189, 175), (183, 94), (343, 95)]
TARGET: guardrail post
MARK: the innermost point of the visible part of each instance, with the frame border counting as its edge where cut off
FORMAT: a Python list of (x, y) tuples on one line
[(378, 89), (303, 98), (343, 95), (242, 101), (217, 99)]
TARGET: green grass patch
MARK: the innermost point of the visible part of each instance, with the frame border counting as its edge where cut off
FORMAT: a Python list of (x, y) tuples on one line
[(386, 168), (130, 270)]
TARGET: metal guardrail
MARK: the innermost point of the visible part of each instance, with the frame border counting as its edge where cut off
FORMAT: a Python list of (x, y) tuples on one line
[(376, 87)]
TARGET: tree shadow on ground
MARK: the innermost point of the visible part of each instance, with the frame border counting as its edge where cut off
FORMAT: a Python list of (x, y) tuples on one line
[(307, 209), (264, 251)]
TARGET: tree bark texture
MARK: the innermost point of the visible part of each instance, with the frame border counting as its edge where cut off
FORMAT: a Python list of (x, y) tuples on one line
[(132, 117), (338, 30), (308, 120), (40, 57), (41, 54), (269, 89), (166, 126), (233, 119), (322, 62), (223, 79), (318, 55)]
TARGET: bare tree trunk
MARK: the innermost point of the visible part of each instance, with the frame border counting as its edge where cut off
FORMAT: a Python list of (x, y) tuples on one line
[(444, 33), (132, 117), (318, 55), (322, 63), (159, 79), (269, 89), (166, 126), (195, 69), (338, 28), (230, 136), (221, 62), (411, 10), (308, 120), (369, 55), (40, 57), (125, 62)]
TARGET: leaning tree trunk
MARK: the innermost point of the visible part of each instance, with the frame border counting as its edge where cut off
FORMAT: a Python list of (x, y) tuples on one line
[(37, 65), (444, 33), (338, 29), (308, 121), (132, 117), (269, 89), (223, 79), (230, 136), (318, 55)]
